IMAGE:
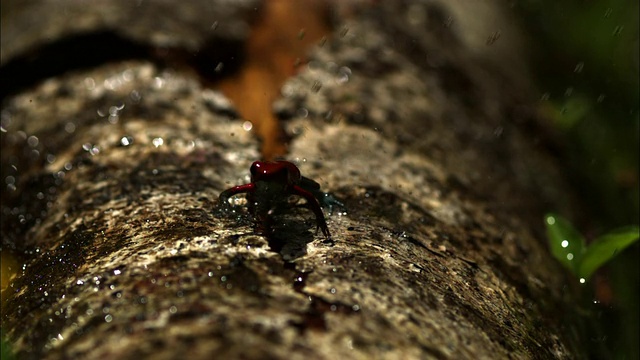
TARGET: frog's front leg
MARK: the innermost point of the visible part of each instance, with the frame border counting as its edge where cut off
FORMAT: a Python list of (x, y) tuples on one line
[(315, 207), (225, 195)]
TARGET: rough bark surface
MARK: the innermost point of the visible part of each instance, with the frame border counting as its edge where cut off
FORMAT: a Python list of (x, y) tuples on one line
[(111, 175)]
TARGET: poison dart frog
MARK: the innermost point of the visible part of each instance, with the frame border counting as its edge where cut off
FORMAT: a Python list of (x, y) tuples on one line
[(272, 182)]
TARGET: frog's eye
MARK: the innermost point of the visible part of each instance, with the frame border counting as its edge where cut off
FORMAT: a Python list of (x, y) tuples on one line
[(255, 168)]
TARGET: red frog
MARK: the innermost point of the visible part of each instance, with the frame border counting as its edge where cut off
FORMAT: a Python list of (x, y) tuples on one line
[(272, 182)]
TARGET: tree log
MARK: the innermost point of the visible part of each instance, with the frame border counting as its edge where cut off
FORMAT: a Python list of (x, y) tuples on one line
[(112, 170)]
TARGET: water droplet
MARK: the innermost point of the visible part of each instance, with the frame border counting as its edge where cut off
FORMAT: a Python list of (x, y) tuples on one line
[(173, 309), (108, 318), (127, 75), (70, 127), (564, 243), (126, 140), (89, 83), (32, 141), (158, 82), (344, 75), (302, 112), (569, 256), (135, 96), (157, 142), (247, 126), (114, 110)]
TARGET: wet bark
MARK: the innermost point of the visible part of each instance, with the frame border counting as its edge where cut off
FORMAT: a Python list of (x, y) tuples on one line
[(111, 170)]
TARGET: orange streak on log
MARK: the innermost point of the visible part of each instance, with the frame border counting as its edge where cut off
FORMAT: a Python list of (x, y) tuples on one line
[(278, 42)]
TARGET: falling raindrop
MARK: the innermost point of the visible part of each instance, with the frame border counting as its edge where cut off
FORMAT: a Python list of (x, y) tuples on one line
[(317, 85), (618, 30), (568, 92)]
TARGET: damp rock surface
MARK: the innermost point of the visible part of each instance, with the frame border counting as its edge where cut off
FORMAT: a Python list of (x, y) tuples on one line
[(111, 177)]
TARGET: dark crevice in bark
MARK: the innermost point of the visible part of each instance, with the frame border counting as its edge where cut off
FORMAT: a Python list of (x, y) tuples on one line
[(215, 60)]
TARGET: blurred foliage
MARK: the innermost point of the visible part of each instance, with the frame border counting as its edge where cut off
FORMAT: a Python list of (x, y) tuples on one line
[(569, 247), (5, 350), (586, 63)]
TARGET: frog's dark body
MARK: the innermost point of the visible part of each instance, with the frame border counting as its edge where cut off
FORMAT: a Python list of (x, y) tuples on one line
[(272, 183)]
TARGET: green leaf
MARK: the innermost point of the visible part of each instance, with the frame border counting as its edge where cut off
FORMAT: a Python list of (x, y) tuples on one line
[(567, 244), (606, 247)]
